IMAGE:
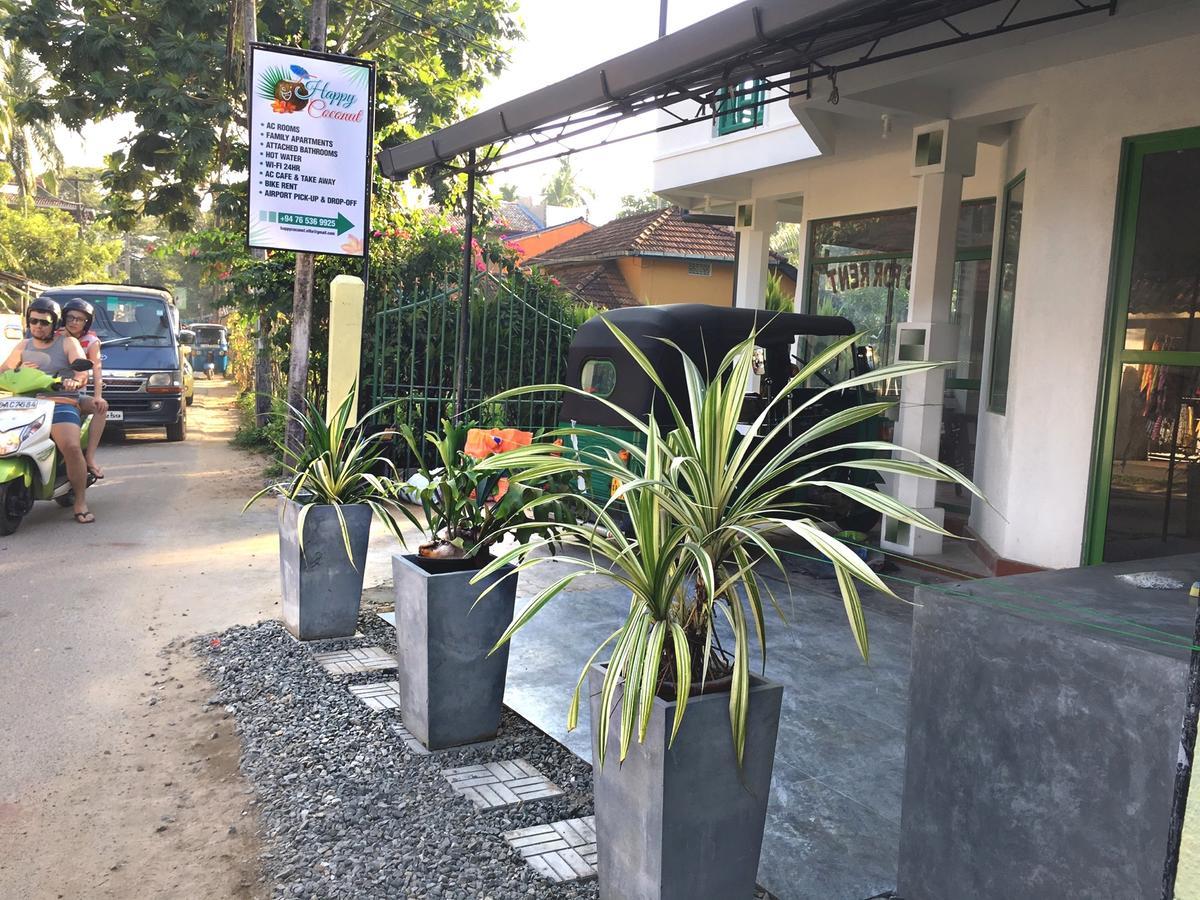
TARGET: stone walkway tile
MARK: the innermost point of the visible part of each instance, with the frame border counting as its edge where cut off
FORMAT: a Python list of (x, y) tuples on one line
[(380, 696), (503, 783), (561, 851), (359, 659)]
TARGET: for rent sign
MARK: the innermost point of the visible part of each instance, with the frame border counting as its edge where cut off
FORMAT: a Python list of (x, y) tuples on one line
[(310, 151)]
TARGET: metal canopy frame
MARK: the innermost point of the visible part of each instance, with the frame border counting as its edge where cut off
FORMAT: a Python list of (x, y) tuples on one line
[(786, 63), (782, 46)]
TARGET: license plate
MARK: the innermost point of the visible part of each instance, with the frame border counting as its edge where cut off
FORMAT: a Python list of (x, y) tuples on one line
[(115, 415)]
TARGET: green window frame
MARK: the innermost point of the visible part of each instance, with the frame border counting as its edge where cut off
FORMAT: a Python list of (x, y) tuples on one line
[(742, 110), (1004, 301)]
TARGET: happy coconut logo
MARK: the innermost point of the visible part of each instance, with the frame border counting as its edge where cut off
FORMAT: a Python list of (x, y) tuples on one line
[(295, 90)]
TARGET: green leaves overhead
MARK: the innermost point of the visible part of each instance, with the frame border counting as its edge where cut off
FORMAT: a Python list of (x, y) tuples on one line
[(176, 67)]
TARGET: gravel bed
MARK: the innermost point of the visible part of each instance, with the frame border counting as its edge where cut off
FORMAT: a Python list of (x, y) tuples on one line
[(346, 810)]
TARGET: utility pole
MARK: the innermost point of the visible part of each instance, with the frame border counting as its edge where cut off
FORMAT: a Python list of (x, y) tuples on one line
[(302, 291), (262, 354), (662, 18)]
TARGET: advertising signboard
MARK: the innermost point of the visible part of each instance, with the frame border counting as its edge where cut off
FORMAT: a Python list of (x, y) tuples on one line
[(311, 119)]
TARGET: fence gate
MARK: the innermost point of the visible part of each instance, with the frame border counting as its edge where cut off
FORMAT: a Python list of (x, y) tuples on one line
[(517, 337)]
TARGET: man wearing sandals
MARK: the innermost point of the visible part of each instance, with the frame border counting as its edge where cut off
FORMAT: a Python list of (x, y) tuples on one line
[(53, 354)]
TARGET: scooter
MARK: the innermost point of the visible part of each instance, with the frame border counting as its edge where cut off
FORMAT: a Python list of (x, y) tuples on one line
[(30, 466)]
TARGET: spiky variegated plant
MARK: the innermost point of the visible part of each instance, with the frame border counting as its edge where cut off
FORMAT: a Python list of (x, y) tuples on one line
[(335, 466), (702, 500)]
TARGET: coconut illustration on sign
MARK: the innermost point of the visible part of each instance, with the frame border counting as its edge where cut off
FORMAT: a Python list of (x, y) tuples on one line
[(287, 95)]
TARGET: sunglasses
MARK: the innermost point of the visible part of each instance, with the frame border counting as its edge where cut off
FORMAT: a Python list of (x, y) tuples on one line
[(41, 322), (76, 320)]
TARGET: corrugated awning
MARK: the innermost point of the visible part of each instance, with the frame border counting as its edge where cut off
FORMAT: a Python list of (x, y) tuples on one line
[(784, 44)]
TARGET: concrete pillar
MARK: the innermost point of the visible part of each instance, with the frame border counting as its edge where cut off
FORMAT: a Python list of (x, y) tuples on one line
[(943, 154), (346, 293), (754, 222)]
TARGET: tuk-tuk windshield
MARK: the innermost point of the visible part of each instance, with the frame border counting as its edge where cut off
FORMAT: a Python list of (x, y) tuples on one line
[(835, 371), (209, 334)]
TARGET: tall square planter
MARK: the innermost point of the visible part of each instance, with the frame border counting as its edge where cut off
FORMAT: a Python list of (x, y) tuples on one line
[(451, 691), (684, 823), (322, 587)]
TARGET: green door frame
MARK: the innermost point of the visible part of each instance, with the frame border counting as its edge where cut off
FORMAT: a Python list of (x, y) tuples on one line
[(1134, 150)]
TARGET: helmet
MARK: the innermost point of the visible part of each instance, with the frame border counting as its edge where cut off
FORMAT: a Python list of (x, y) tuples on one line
[(78, 304), (46, 305)]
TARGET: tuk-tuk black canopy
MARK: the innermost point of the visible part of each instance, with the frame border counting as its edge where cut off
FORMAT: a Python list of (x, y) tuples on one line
[(705, 333)]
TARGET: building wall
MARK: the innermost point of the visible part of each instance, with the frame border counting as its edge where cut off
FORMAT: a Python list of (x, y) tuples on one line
[(657, 281), (696, 153), (544, 241), (1033, 463), (1036, 460)]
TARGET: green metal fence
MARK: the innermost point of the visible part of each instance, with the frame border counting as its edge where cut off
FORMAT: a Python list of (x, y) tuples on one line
[(517, 337)]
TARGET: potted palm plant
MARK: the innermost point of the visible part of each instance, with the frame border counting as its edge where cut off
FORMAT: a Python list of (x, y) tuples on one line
[(451, 689), (338, 480), (683, 814)]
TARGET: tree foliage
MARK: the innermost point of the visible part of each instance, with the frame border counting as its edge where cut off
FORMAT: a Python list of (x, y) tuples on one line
[(26, 139), (564, 189), (634, 204), (52, 248), (177, 66)]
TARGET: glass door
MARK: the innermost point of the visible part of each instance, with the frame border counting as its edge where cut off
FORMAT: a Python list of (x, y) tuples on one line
[(1146, 484)]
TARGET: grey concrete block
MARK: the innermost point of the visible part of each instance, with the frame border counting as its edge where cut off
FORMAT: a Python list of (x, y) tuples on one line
[(451, 690), (1043, 736), (682, 822), (322, 586)]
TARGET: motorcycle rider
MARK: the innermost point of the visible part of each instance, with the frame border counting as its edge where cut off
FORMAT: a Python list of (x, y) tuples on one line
[(53, 354), (78, 316)]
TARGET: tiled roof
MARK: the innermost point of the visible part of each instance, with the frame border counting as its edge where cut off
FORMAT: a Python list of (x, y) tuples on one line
[(662, 232), (599, 284), (515, 219)]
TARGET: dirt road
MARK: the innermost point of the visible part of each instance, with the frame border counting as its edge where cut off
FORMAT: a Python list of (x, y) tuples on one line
[(116, 779)]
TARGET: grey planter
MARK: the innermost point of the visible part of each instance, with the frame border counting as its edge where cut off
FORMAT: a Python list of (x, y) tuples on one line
[(321, 589), (683, 823), (451, 691)]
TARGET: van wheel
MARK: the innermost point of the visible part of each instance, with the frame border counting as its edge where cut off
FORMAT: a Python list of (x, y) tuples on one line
[(12, 506), (177, 431)]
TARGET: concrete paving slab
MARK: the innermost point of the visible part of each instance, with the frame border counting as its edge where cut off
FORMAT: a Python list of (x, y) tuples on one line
[(355, 660), (502, 783), (559, 851)]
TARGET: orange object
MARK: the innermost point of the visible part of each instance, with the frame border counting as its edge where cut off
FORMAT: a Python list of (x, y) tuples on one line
[(483, 442)]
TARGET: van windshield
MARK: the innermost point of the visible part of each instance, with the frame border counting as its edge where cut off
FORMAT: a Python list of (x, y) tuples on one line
[(147, 319)]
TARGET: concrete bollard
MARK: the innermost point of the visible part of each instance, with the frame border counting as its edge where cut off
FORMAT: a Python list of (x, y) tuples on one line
[(346, 293)]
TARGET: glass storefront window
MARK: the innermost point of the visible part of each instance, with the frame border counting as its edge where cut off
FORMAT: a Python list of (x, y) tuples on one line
[(1164, 291)]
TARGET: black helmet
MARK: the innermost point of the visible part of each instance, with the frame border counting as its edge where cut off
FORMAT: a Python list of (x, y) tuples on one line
[(78, 304), (46, 305)]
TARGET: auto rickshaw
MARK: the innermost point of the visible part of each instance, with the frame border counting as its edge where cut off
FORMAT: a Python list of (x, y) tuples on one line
[(210, 354), (598, 364)]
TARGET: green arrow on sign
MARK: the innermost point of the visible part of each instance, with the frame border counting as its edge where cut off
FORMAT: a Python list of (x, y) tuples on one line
[(341, 224)]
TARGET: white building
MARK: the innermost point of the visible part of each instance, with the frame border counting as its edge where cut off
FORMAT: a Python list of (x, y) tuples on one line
[(1027, 205)]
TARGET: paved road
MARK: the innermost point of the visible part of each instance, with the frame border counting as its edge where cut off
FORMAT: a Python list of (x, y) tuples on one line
[(85, 615)]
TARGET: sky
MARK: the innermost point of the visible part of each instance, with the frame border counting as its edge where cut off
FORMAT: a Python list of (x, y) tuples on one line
[(561, 39)]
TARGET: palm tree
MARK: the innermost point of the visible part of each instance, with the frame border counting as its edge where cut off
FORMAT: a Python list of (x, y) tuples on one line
[(563, 189), (27, 141)]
